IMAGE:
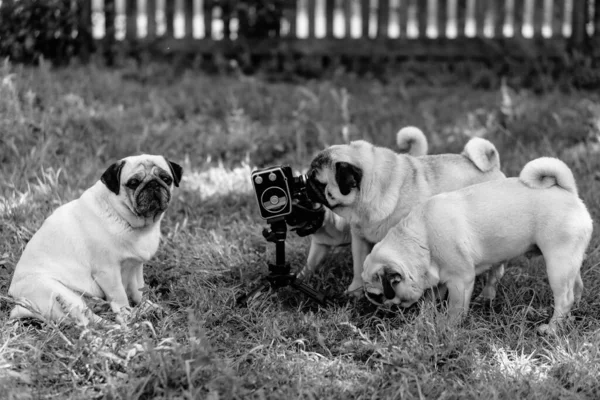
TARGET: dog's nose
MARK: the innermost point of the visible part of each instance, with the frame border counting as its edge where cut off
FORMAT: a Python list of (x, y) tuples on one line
[(375, 297)]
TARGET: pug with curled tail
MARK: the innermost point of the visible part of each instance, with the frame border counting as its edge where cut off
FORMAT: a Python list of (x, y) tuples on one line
[(373, 188), (452, 237), (96, 245), (335, 231)]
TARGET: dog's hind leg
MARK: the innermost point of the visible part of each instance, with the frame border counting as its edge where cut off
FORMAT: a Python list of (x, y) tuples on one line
[(562, 267), (46, 298)]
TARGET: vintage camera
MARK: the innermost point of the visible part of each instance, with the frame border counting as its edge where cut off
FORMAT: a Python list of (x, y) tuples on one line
[(276, 189), (283, 202), (281, 195)]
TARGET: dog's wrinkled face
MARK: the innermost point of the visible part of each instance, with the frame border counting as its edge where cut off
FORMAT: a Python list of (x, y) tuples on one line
[(334, 178), (388, 283), (143, 184)]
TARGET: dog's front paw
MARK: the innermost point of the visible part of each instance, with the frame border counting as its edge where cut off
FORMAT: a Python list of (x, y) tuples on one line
[(123, 316), (547, 329), (303, 274), (355, 290), (147, 307)]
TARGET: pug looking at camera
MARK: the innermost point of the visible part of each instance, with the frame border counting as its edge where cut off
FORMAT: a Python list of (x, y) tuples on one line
[(96, 245), (373, 188), (454, 236), (335, 231)]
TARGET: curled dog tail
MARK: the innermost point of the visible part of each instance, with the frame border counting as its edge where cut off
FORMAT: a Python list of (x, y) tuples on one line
[(545, 172), (482, 153), (412, 140)]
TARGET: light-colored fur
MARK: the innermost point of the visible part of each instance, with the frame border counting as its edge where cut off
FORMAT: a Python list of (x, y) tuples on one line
[(92, 246), (392, 184), (335, 230), (452, 237)]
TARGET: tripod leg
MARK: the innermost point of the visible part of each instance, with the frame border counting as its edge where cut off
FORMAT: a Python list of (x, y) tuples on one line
[(312, 293), (242, 300)]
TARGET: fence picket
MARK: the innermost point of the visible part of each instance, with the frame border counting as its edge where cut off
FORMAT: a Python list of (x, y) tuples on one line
[(130, 20), (227, 9), (481, 12), (348, 17), (578, 23), (422, 12), (538, 17), (558, 17), (498, 17), (518, 14), (207, 13), (291, 13), (151, 18), (461, 17), (188, 15), (329, 11), (310, 13), (365, 15), (84, 30), (597, 19), (383, 18), (442, 17), (169, 18)]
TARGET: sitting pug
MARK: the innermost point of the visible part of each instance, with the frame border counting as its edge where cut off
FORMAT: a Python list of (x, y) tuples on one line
[(373, 188), (452, 237), (335, 231), (97, 244)]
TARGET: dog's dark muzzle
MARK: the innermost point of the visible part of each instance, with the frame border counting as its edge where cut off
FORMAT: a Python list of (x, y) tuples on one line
[(376, 298), (152, 198), (315, 190)]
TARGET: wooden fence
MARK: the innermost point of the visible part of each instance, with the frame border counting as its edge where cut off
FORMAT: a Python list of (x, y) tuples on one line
[(389, 28)]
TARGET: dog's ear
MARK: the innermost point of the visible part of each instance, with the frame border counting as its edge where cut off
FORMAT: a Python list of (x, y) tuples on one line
[(323, 159), (176, 171), (347, 176), (112, 177), (386, 282)]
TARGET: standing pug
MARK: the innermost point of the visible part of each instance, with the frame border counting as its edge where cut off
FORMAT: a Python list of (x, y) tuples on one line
[(454, 236), (97, 244), (335, 231), (373, 188)]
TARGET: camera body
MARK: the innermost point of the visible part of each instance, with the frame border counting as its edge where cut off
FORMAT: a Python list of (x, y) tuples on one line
[(276, 188)]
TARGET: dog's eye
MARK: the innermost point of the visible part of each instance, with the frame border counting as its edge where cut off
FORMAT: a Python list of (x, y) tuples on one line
[(395, 278), (133, 183), (166, 179)]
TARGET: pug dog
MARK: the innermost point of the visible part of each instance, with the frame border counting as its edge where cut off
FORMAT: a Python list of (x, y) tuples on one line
[(335, 231), (96, 245), (454, 236), (373, 188)]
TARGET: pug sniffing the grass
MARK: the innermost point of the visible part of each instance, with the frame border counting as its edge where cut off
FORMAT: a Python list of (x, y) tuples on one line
[(335, 230), (452, 237), (373, 188), (96, 245)]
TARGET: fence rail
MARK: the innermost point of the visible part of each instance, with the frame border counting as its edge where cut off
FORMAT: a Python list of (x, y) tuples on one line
[(392, 28)]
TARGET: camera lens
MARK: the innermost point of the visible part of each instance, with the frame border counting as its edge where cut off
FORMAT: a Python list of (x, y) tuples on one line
[(301, 180)]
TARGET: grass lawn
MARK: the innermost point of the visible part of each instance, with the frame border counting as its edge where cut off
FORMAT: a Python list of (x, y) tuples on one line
[(59, 130)]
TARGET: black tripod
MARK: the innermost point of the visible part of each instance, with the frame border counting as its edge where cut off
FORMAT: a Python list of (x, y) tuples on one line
[(279, 273)]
